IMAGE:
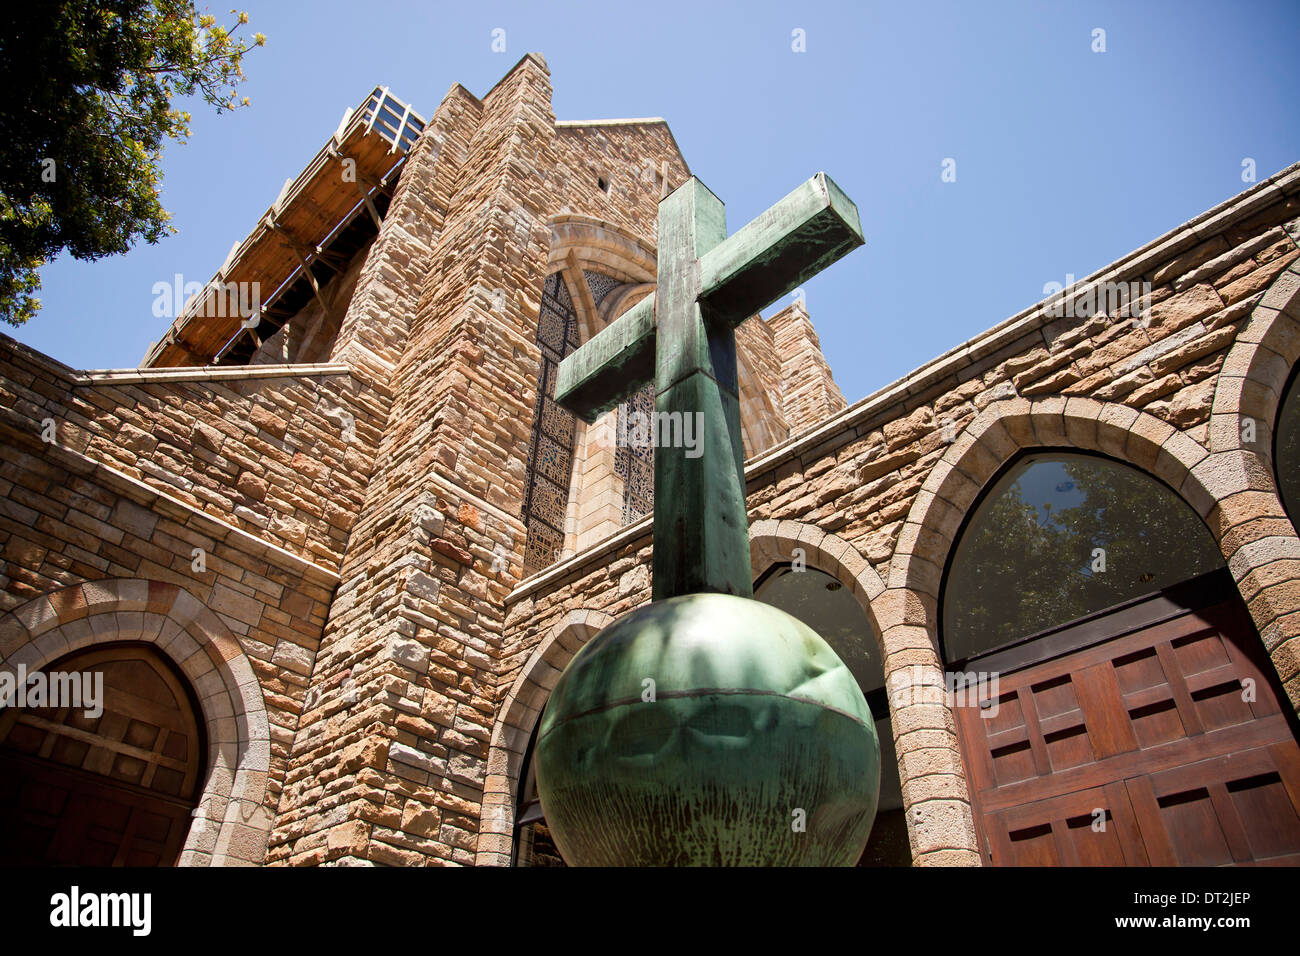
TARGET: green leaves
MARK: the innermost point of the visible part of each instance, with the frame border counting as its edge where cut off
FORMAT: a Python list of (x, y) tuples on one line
[(1022, 567), (88, 109)]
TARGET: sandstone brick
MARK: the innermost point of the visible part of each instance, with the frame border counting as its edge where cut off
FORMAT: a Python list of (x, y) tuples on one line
[(1259, 279), (1184, 308)]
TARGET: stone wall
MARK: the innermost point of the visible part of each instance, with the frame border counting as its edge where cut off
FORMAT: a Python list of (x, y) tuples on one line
[(282, 453), (208, 511), (630, 157), (763, 419), (876, 494), (95, 549), (809, 394), (407, 668)]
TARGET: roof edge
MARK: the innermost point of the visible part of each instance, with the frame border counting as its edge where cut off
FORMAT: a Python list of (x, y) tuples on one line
[(634, 121), (1276, 188)]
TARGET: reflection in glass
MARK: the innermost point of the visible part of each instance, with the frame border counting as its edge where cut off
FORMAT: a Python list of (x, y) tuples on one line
[(1061, 537)]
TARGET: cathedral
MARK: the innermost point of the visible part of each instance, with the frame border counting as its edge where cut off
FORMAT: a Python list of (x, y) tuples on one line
[(326, 552)]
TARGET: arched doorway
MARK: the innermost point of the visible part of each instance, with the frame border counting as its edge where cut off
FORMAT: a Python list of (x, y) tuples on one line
[(1135, 718), (533, 845), (101, 762)]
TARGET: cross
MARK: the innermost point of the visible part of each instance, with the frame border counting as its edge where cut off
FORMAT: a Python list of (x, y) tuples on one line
[(683, 338)]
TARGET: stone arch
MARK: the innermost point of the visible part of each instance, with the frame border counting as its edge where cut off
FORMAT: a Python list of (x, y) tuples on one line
[(1258, 538), (1256, 370), (600, 246), (623, 298), (936, 798), (583, 244), (231, 824), (909, 606), (1222, 487), (1001, 431), (772, 541), (516, 719)]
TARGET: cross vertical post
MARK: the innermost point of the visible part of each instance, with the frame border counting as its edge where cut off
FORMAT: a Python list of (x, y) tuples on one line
[(703, 512)]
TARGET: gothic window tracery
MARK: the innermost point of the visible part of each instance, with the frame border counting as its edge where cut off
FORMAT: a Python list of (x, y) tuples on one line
[(555, 455), (634, 462), (550, 450)]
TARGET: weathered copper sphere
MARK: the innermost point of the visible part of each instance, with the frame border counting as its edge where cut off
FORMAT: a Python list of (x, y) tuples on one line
[(704, 730)]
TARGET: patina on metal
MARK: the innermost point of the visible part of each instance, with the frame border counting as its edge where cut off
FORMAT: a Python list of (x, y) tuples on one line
[(753, 745), (707, 728), (683, 339)]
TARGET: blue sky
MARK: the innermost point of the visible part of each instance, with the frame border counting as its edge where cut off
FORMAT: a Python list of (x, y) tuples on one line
[(1065, 159)]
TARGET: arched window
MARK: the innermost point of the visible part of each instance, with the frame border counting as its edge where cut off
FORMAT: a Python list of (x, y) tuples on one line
[(101, 762), (830, 609), (566, 468), (550, 451), (1286, 449), (1124, 710), (1058, 537), (634, 463)]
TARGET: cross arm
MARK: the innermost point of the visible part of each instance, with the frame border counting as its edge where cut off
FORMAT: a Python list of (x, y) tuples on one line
[(783, 247), (613, 364)]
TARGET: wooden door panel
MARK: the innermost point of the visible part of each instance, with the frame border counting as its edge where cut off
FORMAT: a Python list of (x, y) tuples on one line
[(57, 816), (1086, 828), (1241, 798), (1104, 716), (115, 789), (1123, 766), (1155, 730)]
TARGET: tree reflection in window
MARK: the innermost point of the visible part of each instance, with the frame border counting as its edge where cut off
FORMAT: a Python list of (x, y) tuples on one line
[(1060, 537)]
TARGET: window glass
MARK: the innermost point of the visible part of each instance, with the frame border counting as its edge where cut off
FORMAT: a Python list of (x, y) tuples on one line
[(1061, 537), (1286, 454), (550, 450)]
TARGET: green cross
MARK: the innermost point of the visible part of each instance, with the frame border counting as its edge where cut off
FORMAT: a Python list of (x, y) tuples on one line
[(683, 338)]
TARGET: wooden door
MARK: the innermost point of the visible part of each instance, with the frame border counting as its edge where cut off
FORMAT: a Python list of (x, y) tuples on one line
[(1154, 734), (115, 789)]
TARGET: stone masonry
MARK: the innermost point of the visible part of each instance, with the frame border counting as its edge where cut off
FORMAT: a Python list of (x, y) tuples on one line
[(333, 553), (876, 493)]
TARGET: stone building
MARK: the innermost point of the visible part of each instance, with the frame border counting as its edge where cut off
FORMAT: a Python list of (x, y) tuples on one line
[(331, 550)]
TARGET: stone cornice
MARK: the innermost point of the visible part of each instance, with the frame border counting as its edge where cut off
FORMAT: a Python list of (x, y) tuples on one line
[(205, 373), (542, 580), (1127, 268)]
